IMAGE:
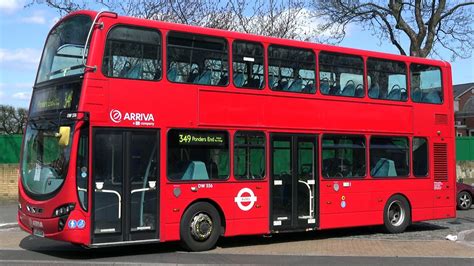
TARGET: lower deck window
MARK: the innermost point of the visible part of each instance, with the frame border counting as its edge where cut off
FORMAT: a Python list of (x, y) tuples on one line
[(343, 156), (388, 156), (198, 155)]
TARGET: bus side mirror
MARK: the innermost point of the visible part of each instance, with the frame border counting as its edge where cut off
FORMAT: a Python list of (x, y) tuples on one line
[(63, 135)]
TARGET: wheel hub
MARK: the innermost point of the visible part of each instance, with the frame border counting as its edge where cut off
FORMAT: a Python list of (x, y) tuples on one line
[(464, 200), (396, 213), (201, 226)]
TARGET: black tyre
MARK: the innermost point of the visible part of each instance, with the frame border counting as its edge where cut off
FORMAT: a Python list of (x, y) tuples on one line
[(396, 214), (464, 200), (200, 227)]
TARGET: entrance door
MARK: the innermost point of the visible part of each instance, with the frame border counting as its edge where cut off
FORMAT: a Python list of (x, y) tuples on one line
[(125, 184), (293, 181)]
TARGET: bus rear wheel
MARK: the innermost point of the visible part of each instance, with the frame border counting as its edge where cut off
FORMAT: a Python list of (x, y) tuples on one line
[(397, 214), (200, 227)]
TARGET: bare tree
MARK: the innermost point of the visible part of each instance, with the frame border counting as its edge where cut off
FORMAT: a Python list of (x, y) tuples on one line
[(12, 120), (278, 18), (428, 25)]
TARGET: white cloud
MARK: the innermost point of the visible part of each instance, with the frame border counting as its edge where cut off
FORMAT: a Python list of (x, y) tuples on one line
[(2, 94), (10, 6), (20, 55), (35, 18), (22, 96)]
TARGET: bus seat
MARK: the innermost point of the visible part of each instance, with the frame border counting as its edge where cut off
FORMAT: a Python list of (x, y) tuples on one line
[(395, 94), (416, 94), (335, 90), (172, 73), (403, 95), (272, 81), (193, 76), (223, 80), (309, 88), (374, 91), (349, 90), (384, 167), (239, 79), (324, 87), (296, 85), (432, 97), (196, 171), (282, 85), (359, 92), (252, 83), (204, 78), (135, 72)]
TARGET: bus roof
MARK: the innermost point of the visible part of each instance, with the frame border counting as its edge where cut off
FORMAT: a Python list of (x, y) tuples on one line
[(263, 39)]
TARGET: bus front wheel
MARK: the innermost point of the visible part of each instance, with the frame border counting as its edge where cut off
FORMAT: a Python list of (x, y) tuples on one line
[(397, 214), (200, 227)]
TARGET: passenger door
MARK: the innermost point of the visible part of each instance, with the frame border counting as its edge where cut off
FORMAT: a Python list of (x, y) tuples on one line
[(293, 182), (126, 185)]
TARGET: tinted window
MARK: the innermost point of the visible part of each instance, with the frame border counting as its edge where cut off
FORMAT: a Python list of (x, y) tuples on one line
[(426, 84), (388, 156), (343, 156), (198, 155), (420, 157), (197, 59), (249, 155), (247, 63), (341, 74), (291, 69), (82, 172), (388, 79), (133, 53)]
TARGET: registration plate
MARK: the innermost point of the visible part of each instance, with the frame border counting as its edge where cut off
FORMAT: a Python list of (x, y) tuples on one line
[(38, 232)]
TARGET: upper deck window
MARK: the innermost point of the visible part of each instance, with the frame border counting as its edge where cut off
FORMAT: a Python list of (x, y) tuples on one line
[(133, 53), (291, 69), (388, 79), (247, 63), (197, 59), (341, 74), (62, 55), (426, 85)]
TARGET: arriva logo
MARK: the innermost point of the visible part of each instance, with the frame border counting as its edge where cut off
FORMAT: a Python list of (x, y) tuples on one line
[(138, 119), (115, 116)]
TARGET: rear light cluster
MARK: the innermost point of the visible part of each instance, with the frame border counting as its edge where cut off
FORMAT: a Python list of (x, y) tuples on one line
[(63, 212)]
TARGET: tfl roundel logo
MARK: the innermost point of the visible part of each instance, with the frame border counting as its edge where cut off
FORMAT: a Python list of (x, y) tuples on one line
[(115, 116)]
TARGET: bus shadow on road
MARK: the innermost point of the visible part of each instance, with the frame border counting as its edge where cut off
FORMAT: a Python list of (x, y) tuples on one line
[(63, 250), (372, 232)]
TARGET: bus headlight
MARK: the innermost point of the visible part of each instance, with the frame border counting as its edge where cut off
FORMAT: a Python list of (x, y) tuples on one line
[(63, 210)]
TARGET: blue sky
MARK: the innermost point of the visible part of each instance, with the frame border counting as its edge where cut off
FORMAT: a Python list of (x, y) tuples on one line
[(24, 30)]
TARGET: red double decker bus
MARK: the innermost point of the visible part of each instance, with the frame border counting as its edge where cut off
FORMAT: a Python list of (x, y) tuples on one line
[(144, 131)]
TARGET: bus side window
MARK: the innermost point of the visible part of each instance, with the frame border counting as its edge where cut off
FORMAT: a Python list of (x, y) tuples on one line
[(389, 156), (291, 69), (132, 53), (388, 79), (247, 64), (198, 155), (341, 74), (420, 157), (426, 84), (343, 156), (249, 155), (197, 59)]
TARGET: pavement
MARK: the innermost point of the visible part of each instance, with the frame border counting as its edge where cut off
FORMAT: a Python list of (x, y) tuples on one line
[(421, 240)]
